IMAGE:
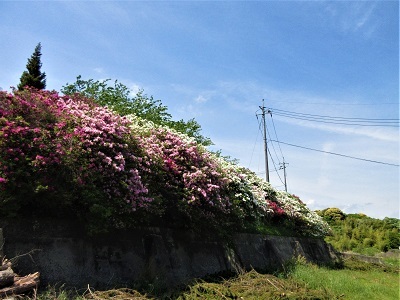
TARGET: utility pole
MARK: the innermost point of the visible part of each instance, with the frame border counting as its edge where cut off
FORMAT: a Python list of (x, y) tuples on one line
[(265, 142), (283, 166)]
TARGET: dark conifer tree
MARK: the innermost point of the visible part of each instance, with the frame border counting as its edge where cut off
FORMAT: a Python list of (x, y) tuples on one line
[(33, 76)]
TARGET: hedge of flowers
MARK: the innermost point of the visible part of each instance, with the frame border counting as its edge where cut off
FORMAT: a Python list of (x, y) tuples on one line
[(64, 154)]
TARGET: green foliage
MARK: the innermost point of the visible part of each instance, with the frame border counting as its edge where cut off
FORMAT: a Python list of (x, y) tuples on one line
[(119, 97), (332, 214), (360, 233), (33, 77)]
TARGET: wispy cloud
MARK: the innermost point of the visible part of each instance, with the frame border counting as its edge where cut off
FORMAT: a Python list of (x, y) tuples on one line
[(99, 70), (134, 87), (352, 17), (363, 15), (200, 99), (382, 134), (98, 12)]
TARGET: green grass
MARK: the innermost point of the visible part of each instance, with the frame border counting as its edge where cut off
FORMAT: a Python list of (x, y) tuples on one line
[(392, 261), (350, 284)]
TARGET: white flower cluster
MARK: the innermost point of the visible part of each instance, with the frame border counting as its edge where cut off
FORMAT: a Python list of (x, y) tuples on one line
[(245, 187)]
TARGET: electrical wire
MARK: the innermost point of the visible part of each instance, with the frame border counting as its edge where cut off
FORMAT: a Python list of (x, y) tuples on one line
[(259, 157), (268, 149), (275, 169), (273, 124), (338, 154), (339, 104), (273, 147), (337, 120), (331, 117), (333, 122), (255, 143)]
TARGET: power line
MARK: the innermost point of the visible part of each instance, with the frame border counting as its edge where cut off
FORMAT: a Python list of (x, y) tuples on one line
[(337, 120), (331, 117), (273, 124), (336, 103), (255, 143), (276, 154), (267, 149), (338, 154), (275, 169), (283, 164)]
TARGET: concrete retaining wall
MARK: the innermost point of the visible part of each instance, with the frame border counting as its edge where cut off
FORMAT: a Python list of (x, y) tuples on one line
[(365, 258), (62, 253)]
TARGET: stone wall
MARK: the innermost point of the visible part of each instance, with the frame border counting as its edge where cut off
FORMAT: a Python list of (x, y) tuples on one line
[(62, 253)]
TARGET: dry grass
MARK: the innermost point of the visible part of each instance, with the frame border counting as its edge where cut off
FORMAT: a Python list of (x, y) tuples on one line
[(250, 285), (253, 285), (117, 294)]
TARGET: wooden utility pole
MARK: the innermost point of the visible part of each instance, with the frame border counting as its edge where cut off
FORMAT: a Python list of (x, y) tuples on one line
[(283, 166), (265, 142)]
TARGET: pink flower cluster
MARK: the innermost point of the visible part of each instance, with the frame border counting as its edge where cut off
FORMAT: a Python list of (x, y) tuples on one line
[(27, 137), (278, 211), (189, 171), (41, 130), (108, 151)]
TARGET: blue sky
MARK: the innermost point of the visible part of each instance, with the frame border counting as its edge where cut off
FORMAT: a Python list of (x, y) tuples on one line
[(216, 61)]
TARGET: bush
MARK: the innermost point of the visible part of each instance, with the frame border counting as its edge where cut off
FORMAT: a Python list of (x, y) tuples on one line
[(68, 156)]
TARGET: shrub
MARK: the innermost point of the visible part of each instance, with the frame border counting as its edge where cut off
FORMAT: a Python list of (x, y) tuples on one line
[(68, 156)]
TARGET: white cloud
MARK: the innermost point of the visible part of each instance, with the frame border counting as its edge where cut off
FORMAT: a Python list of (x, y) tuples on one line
[(99, 71), (352, 16), (363, 15), (98, 12), (135, 88), (200, 99)]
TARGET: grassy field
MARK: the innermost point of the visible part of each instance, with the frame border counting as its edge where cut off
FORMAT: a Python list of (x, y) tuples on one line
[(351, 282), (298, 280)]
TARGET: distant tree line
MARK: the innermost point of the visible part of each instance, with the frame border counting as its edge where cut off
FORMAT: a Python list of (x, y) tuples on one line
[(360, 233)]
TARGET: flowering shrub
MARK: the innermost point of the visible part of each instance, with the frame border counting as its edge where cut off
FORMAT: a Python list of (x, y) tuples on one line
[(67, 154), (64, 146), (189, 180), (29, 142)]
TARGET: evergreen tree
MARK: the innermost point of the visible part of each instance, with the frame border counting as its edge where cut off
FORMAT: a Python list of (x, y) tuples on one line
[(33, 77)]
